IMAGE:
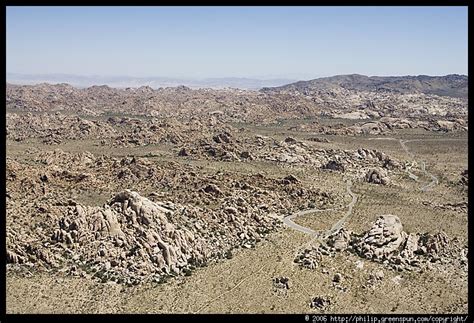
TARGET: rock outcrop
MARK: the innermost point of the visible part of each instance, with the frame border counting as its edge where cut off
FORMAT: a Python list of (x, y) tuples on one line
[(377, 176), (386, 242), (129, 238)]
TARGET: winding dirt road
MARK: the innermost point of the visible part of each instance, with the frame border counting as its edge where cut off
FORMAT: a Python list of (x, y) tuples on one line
[(288, 220), (341, 222), (434, 179)]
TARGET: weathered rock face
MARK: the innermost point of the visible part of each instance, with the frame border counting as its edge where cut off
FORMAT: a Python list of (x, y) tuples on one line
[(383, 239), (290, 151), (377, 176), (387, 125), (66, 231), (265, 105), (53, 128)]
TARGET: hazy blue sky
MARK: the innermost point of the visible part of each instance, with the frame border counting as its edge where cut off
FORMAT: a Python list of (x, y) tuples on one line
[(265, 42)]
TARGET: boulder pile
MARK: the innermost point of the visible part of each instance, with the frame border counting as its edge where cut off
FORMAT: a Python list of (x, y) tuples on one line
[(383, 239), (130, 237), (281, 282), (320, 302), (387, 243), (339, 240), (309, 257)]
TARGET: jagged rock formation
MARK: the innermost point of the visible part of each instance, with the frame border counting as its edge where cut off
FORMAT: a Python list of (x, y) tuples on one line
[(389, 125), (387, 242), (54, 128)]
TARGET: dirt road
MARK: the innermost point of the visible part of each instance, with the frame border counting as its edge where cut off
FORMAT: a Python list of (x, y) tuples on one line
[(288, 220), (434, 179)]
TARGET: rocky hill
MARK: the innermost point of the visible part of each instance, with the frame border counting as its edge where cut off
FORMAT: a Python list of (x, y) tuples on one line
[(453, 85)]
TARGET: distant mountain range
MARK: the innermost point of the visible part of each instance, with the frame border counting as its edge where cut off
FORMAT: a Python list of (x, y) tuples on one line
[(453, 85), (153, 82)]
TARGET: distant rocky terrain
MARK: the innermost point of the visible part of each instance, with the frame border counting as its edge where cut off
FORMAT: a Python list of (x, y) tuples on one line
[(453, 85), (154, 82), (307, 100)]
